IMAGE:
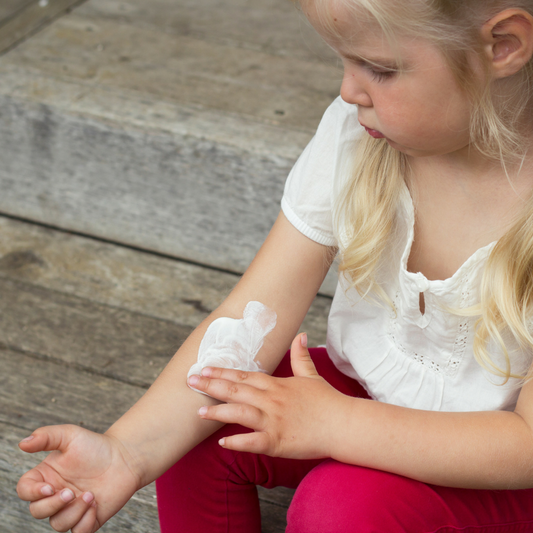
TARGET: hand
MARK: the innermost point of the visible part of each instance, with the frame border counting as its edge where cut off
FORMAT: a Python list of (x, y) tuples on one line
[(293, 417), (80, 485)]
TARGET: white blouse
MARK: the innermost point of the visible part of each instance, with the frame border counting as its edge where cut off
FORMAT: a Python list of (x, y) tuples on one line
[(423, 361)]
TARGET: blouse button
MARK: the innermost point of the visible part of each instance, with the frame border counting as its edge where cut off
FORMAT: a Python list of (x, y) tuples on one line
[(422, 284)]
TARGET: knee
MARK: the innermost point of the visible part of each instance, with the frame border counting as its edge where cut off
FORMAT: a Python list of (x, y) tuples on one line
[(339, 498)]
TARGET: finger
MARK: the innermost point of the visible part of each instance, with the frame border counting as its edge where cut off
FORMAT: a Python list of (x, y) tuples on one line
[(226, 391), (31, 491), (32, 487), (46, 507), (71, 515), (47, 439), (257, 442), (301, 362), (234, 413), (257, 379), (88, 523)]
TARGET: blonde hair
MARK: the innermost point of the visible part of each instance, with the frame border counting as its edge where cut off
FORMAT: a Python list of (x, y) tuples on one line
[(368, 207)]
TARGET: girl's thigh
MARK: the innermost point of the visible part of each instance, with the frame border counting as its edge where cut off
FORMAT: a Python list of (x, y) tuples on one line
[(339, 498)]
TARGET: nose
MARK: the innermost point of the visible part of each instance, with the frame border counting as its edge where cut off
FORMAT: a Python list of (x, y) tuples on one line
[(353, 90)]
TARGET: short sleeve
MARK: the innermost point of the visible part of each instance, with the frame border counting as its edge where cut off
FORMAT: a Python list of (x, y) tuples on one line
[(308, 196)]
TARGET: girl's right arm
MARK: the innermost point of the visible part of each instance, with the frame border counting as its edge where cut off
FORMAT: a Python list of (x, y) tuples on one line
[(164, 425)]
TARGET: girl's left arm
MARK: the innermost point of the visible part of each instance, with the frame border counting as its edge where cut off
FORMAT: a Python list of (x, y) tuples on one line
[(304, 417), (475, 450)]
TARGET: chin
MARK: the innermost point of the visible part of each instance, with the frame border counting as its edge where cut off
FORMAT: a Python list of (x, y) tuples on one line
[(401, 148), (412, 152)]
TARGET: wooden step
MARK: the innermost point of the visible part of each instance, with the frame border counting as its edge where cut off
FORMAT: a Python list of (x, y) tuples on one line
[(163, 125), (85, 327), (19, 19)]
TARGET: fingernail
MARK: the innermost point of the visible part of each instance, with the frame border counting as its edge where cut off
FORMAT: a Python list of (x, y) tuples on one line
[(222, 442), (47, 490), (206, 371), (27, 439), (88, 497), (193, 380), (303, 340), (202, 411), (67, 495)]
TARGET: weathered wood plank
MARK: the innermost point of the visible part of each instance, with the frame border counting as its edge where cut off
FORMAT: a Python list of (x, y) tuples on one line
[(120, 277), (274, 505), (273, 517), (138, 516), (269, 26), (281, 496), (189, 198), (114, 275), (110, 341), (273, 88), (35, 393), (30, 397), (202, 133), (9, 7), (29, 17)]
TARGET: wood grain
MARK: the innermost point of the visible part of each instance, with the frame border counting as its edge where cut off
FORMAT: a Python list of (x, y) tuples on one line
[(24, 19), (120, 277), (30, 396), (175, 140), (66, 357), (110, 341)]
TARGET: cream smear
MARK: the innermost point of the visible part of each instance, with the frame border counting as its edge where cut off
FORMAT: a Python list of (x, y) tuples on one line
[(234, 343)]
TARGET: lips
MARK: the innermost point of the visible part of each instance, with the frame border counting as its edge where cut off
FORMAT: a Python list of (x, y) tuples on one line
[(374, 133)]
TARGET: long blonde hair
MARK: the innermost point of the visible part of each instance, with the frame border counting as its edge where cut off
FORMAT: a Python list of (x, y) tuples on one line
[(368, 206)]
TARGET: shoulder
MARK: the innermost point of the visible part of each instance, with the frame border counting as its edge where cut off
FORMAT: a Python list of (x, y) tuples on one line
[(334, 140), (338, 127), (309, 191)]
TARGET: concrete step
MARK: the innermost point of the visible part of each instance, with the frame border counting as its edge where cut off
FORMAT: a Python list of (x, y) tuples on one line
[(167, 126)]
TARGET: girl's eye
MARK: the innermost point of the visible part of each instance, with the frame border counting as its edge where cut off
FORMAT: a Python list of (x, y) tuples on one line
[(382, 75), (379, 73)]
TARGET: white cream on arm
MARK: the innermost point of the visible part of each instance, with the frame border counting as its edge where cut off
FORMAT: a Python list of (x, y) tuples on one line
[(234, 343)]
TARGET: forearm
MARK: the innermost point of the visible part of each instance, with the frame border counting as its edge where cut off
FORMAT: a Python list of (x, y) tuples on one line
[(163, 425), (485, 450)]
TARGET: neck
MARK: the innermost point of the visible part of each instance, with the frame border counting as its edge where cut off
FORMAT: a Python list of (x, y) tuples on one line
[(471, 188), (471, 170)]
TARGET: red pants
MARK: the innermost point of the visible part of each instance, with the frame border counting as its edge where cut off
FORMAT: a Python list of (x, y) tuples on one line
[(212, 490)]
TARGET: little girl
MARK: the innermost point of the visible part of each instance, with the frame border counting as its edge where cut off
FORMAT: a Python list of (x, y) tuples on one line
[(419, 416)]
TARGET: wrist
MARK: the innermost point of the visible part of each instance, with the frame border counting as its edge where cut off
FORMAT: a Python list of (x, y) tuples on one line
[(348, 430), (137, 462)]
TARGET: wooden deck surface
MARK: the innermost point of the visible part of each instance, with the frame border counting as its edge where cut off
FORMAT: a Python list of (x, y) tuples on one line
[(168, 126), (85, 327)]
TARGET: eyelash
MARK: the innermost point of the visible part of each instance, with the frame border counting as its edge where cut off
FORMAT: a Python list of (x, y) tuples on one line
[(378, 75), (381, 76)]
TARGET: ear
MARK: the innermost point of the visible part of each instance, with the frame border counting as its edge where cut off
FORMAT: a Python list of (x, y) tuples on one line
[(508, 41)]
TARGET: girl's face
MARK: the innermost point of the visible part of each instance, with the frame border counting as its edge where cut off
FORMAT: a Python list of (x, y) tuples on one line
[(421, 111)]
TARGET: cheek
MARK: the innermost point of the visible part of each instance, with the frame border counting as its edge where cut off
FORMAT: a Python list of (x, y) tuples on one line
[(443, 105), (431, 119)]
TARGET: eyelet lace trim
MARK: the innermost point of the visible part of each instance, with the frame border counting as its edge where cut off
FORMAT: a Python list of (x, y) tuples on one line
[(460, 344), (463, 333)]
